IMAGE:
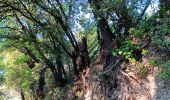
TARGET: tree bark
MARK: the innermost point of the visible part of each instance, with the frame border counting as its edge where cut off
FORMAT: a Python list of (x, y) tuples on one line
[(41, 84), (84, 55), (22, 94), (75, 67), (58, 79), (103, 29), (105, 34)]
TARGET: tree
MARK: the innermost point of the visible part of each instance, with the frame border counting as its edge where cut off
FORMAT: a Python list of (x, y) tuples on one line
[(61, 36), (17, 74)]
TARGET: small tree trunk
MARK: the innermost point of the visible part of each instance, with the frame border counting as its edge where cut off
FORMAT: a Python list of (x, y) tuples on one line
[(58, 79), (76, 71), (84, 61), (60, 66), (64, 72), (22, 95), (60, 75), (86, 53), (105, 34), (41, 84)]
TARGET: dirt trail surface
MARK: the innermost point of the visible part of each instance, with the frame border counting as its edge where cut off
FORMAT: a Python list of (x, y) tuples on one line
[(9, 94), (135, 82)]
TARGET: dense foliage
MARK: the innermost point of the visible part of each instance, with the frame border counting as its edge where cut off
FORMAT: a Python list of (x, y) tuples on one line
[(46, 44)]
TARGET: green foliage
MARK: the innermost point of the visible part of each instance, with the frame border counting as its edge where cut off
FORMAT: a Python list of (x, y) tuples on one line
[(48, 31), (165, 73), (17, 74), (21, 59), (144, 52), (143, 70), (154, 62), (2, 79), (126, 49), (165, 64)]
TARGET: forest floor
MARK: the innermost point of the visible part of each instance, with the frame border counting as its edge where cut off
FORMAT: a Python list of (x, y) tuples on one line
[(136, 82), (134, 86), (9, 94)]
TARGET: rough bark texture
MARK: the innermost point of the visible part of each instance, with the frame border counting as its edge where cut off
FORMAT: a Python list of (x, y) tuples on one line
[(105, 34)]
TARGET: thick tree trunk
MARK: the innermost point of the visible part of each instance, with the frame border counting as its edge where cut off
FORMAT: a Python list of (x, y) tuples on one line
[(103, 29), (106, 34)]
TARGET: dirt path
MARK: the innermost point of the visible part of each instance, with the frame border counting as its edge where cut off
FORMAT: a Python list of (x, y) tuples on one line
[(9, 94)]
